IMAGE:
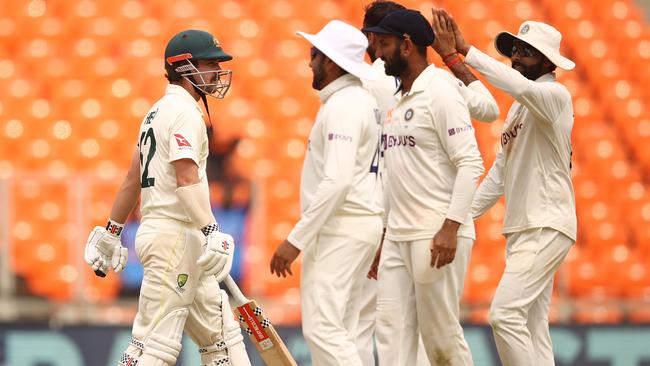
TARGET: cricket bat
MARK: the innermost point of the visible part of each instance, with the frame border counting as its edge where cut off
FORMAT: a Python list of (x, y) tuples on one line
[(259, 329)]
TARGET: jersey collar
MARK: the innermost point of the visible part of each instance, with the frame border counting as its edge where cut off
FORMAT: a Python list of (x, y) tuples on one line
[(549, 76), (177, 90), (422, 81), (336, 85)]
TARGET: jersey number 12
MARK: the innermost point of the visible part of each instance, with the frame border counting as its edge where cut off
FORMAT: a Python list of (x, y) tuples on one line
[(147, 139)]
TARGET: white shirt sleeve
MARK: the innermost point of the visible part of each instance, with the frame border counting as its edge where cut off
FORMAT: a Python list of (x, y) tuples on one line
[(341, 131), (490, 189), (480, 102), (185, 137), (546, 100), (455, 131)]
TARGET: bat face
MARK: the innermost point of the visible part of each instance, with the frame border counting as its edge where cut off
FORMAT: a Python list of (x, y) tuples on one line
[(263, 335), (256, 327)]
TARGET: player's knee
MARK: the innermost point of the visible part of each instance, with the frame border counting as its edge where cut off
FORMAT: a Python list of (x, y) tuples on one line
[(162, 348), (494, 317), (501, 317), (315, 332), (309, 331), (164, 341), (388, 310), (225, 353)]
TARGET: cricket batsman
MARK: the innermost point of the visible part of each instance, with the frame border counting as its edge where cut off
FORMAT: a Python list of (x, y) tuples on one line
[(179, 243)]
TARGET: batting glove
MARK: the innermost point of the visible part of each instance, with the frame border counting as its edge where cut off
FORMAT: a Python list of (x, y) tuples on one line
[(218, 252), (104, 249)]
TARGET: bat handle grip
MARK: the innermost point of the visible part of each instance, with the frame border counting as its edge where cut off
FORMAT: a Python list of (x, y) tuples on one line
[(235, 291)]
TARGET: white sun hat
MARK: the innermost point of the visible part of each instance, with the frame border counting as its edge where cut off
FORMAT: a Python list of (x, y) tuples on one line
[(345, 45), (541, 36)]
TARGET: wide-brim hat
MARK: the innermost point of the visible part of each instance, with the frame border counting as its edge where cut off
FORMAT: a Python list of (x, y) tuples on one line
[(345, 45), (541, 36)]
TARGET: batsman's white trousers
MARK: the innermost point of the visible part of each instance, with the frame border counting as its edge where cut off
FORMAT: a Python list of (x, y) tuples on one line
[(168, 251), (334, 269), (519, 311), (413, 298)]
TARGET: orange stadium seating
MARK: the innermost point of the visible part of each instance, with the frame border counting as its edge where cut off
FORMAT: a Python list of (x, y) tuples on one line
[(78, 76)]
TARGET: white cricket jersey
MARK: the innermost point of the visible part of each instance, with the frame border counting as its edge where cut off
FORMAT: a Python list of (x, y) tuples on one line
[(533, 167), (480, 103), (432, 160), (173, 129), (383, 88), (339, 176)]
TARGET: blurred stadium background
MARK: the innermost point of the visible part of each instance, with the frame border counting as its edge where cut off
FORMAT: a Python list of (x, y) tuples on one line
[(77, 77)]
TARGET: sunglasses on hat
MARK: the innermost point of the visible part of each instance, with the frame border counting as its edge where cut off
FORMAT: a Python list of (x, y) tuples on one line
[(523, 50)]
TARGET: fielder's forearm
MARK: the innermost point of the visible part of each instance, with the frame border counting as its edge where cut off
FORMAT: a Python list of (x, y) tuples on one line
[(129, 192), (463, 193), (490, 189), (480, 102), (462, 72)]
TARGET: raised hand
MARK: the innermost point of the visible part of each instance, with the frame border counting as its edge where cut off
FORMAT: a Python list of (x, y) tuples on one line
[(445, 39), (461, 44)]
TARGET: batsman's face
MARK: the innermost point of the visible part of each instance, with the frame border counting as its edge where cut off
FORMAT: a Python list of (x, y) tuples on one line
[(389, 49), (317, 68), (210, 74), (527, 60)]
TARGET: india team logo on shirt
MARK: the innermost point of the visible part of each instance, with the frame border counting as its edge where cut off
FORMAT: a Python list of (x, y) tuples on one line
[(182, 141), (409, 114)]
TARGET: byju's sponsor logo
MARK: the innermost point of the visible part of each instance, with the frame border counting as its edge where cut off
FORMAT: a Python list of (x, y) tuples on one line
[(457, 130), (507, 136), (337, 136), (388, 141)]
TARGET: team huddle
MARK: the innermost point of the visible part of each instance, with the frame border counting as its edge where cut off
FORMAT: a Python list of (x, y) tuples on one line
[(389, 194)]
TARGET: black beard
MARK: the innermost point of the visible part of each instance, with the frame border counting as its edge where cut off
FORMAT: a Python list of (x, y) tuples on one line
[(396, 65), (318, 77), (211, 89), (371, 53), (532, 72)]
